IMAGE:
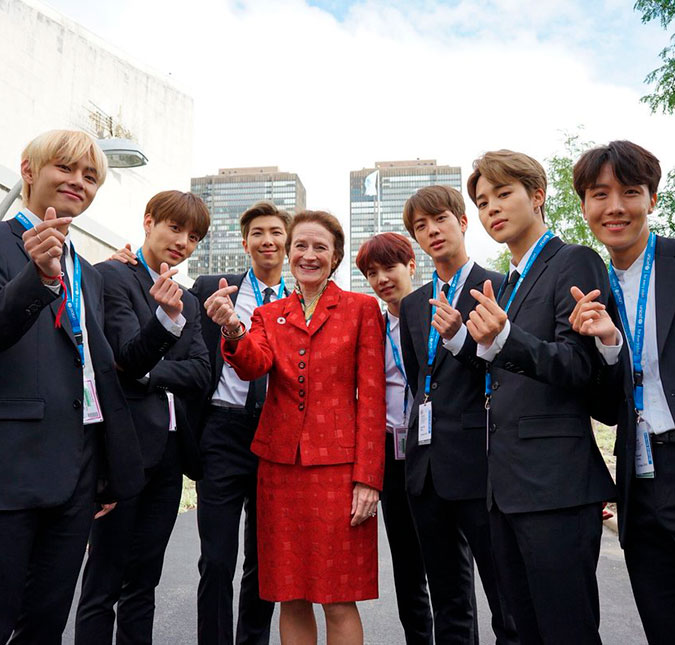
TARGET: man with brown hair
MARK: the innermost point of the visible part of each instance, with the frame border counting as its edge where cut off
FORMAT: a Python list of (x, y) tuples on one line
[(446, 467), (153, 326), (546, 477), (230, 420)]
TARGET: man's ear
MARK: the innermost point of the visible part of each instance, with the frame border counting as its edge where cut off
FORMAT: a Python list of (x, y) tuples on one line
[(148, 222), (652, 202), (27, 172)]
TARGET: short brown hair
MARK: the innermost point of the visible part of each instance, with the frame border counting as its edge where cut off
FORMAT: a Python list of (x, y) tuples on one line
[(433, 200), (385, 249), (501, 167), (329, 222), (67, 146), (631, 163), (185, 209), (262, 209)]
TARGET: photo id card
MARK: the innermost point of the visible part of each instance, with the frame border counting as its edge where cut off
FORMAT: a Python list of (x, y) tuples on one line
[(424, 424), (644, 459), (92, 409), (400, 438)]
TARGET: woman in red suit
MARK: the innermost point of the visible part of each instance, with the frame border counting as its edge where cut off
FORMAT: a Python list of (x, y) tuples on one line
[(321, 447)]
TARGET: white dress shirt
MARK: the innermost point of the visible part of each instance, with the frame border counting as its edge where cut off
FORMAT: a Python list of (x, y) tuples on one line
[(395, 382), (656, 414), (231, 390)]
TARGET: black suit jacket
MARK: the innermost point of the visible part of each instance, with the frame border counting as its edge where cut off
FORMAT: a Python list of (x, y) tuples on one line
[(614, 395), (542, 452), (456, 454), (41, 429), (141, 346)]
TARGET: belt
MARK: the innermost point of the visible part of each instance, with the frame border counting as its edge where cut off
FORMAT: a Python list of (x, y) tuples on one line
[(234, 409), (663, 437)]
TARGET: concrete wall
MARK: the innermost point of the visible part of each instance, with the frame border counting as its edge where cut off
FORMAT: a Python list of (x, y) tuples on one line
[(56, 74)]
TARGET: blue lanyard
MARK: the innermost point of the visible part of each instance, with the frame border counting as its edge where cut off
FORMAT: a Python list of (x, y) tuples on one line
[(74, 301), (636, 342), (399, 366), (139, 255), (432, 344), (256, 288), (543, 241)]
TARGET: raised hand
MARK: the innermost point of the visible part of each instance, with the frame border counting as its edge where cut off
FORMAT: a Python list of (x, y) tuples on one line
[(124, 255), (590, 318), (220, 309), (44, 243), (447, 321), (488, 318), (167, 293)]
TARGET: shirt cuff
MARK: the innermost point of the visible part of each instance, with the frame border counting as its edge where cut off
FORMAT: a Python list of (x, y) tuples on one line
[(489, 352), (454, 345), (55, 288), (610, 352), (173, 327)]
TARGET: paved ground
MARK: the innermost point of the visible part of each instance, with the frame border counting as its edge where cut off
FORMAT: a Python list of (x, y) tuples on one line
[(175, 620)]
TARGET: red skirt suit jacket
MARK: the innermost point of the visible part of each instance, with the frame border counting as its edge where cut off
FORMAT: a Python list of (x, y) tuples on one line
[(315, 372)]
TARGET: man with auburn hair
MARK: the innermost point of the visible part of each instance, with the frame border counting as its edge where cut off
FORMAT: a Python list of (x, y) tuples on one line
[(64, 422), (230, 421), (546, 477), (617, 185), (387, 261), (446, 467), (154, 327)]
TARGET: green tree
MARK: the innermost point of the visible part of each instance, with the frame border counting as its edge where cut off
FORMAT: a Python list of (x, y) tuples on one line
[(663, 219), (663, 96)]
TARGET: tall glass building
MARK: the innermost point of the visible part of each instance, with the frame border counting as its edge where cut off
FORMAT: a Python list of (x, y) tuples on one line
[(376, 200), (227, 195)]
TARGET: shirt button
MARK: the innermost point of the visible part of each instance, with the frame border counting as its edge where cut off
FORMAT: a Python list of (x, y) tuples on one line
[(301, 379), (302, 352), (77, 404), (301, 365), (301, 406)]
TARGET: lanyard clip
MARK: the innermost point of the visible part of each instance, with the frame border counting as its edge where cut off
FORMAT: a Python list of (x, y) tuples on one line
[(487, 401), (79, 338), (637, 378)]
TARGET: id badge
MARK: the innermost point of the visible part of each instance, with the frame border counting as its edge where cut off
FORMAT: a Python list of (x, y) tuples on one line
[(424, 424), (92, 408), (400, 438), (644, 459), (172, 411)]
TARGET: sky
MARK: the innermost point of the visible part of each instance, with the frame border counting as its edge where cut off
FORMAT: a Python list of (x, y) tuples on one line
[(322, 87)]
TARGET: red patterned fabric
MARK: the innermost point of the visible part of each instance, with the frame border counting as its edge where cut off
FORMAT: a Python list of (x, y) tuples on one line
[(325, 437)]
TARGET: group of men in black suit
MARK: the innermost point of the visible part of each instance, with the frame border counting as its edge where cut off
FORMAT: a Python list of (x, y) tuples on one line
[(114, 387)]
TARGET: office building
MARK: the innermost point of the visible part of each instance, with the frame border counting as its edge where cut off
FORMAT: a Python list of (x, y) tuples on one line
[(376, 200), (227, 195)]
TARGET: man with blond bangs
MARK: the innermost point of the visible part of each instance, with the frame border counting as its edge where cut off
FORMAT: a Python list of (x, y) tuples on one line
[(66, 434), (546, 477)]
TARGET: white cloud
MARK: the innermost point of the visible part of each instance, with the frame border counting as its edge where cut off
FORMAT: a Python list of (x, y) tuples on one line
[(282, 83)]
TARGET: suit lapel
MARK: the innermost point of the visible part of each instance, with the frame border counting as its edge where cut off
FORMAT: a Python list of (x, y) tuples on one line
[(536, 271), (663, 291), (18, 231), (145, 283)]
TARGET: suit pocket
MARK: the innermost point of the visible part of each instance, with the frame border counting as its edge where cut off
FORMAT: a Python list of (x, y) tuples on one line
[(22, 409), (473, 420), (541, 427), (345, 428)]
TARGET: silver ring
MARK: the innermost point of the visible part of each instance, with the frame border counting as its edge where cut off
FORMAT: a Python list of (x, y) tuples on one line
[(49, 253), (373, 514), (38, 235)]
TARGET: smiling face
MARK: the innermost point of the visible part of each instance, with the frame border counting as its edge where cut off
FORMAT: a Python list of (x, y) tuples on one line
[(311, 255), (265, 242), (391, 282), (508, 212), (69, 188), (167, 241), (441, 236), (617, 214)]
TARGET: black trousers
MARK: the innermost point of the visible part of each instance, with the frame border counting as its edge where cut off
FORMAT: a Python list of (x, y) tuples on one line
[(546, 561), (126, 555), (410, 581), (452, 533), (229, 484), (650, 545), (41, 553)]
